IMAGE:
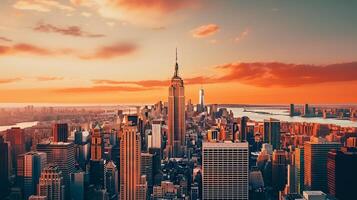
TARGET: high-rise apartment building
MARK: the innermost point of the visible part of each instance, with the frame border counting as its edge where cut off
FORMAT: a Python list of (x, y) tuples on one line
[(272, 132), (315, 157), (225, 170), (51, 183), (176, 115), (130, 173), (279, 169), (299, 168), (60, 132), (341, 173), (146, 167), (63, 155), (16, 137), (97, 144), (156, 134), (29, 170)]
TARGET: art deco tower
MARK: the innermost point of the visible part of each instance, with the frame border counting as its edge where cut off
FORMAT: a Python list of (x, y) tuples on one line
[(176, 115)]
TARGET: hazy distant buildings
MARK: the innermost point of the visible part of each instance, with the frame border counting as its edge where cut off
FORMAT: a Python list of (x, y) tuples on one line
[(60, 132), (51, 183), (315, 158), (225, 170), (272, 132), (176, 116)]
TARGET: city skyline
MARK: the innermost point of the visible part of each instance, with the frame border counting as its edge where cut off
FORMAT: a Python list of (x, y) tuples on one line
[(238, 52)]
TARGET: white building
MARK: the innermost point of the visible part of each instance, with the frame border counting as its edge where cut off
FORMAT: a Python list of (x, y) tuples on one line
[(225, 170)]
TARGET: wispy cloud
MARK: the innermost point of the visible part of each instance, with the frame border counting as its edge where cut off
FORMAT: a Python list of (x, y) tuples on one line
[(5, 39), (9, 80), (105, 52), (49, 78), (101, 89), (41, 5), (242, 35), (116, 50), (205, 30), (70, 30)]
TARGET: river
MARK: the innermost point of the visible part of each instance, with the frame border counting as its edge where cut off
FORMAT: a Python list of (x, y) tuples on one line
[(21, 125), (283, 115)]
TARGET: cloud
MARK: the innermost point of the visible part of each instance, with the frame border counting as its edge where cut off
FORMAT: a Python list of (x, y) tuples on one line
[(24, 48), (9, 80), (106, 52), (242, 35), (41, 5), (5, 39), (86, 14), (262, 74), (205, 30), (70, 30), (102, 88), (116, 50), (142, 12), (48, 78)]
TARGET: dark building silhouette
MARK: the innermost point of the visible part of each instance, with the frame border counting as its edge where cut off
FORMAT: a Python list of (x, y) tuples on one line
[(342, 173), (4, 168), (272, 132), (60, 132)]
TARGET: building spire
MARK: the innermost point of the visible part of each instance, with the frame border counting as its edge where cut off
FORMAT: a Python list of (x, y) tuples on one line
[(176, 66)]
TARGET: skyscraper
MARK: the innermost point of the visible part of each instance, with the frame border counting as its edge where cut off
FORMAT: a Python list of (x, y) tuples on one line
[(96, 144), (225, 170), (299, 165), (111, 178), (272, 132), (60, 132), (201, 99), (279, 167), (292, 110), (243, 128), (77, 185), (156, 134), (16, 137), (315, 157), (61, 154), (129, 162), (176, 115), (51, 183), (146, 167), (341, 173), (29, 166), (4, 167)]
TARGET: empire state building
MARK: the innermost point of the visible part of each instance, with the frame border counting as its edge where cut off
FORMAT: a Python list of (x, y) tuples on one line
[(176, 115)]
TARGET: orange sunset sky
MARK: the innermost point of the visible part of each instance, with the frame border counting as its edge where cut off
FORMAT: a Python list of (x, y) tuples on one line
[(123, 51)]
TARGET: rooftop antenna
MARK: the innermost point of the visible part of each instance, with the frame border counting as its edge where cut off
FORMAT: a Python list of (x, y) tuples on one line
[(176, 65)]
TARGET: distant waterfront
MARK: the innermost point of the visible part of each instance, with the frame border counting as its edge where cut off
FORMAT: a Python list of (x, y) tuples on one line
[(283, 115), (21, 125)]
